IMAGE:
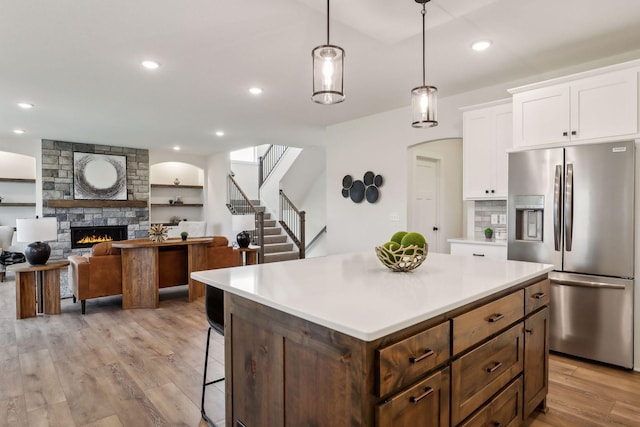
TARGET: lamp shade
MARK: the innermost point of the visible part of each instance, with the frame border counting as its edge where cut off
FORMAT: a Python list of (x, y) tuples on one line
[(37, 229), (424, 106), (328, 66), (243, 222)]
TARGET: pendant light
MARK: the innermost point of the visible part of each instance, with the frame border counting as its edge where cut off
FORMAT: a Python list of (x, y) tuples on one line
[(328, 67), (424, 99)]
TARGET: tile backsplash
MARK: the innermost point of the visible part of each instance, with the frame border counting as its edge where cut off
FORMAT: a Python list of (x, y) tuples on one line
[(484, 210)]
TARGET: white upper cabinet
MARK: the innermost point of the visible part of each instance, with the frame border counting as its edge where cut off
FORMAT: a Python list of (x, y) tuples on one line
[(588, 109), (487, 134)]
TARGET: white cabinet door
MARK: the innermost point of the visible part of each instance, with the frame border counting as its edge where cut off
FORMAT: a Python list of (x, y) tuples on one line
[(605, 106), (487, 135), (541, 116), (504, 140), (478, 157)]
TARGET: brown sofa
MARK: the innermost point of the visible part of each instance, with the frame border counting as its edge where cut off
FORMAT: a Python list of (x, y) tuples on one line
[(99, 273)]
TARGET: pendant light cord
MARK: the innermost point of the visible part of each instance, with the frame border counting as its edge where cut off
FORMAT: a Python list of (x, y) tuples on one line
[(328, 22), (424, 49)]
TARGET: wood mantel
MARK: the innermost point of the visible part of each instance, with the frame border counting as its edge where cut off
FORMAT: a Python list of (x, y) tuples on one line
[(96, 203)]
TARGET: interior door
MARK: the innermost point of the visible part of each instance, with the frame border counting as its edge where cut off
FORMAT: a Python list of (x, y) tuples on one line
[(599, 214), (425, 219)]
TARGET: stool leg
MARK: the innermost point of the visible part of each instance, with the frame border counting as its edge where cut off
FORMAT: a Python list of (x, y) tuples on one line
[(204, 378)]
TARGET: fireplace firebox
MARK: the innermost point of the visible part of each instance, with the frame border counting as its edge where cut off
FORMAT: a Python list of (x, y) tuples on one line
[(86, 237)]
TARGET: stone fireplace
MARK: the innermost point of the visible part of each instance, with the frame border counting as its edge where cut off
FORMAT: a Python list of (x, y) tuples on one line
[(131, 215)]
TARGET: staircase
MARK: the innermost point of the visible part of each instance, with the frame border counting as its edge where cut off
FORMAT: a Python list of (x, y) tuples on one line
[(276, 246)]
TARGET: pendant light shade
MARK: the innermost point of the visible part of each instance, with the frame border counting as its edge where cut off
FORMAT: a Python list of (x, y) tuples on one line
[(424, 99), (328, 67)]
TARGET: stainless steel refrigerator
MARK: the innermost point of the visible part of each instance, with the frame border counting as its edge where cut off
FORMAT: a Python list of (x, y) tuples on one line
[(573, 207)]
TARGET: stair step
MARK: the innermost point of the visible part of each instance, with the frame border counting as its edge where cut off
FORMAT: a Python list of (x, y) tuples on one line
[(277, 247), (276, 238), (281, 256), (270, 231), (268, 223)]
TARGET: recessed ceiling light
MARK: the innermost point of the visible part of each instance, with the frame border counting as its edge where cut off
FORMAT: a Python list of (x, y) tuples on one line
[(150, 65), (481, 45), (219, 133), (18, 131), (25, 105), (255, 91), (176, 147)]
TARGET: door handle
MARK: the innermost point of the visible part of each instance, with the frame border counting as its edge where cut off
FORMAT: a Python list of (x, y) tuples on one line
[(557, 213), (435, 228), (568, 208)]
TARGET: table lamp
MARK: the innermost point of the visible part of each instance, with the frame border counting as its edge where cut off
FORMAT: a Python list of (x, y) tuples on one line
[(242, 223), (38, 231)]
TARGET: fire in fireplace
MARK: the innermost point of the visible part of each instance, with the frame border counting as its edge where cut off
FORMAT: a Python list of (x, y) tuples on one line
[(85, 237)]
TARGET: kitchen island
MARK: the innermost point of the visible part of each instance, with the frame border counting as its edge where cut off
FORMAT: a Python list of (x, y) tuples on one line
[(342, 340)]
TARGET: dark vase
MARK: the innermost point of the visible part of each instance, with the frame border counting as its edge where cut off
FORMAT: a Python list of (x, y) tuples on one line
[(184, 237), (37, 253), (488, 234), (243, 238)]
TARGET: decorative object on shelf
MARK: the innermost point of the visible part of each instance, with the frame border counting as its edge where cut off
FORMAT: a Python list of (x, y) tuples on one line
[(424, 99), (99, 176), (174, 220), (38, 231), (403, 258), (158, 233), (242, 223), (328, 72), (178, 200), (184, 235), (488, 232), (359, 190), (176, 181), (170, 201), (1, 199)]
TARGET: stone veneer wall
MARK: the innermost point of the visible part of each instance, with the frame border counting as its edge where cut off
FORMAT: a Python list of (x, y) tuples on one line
[(57, 184)]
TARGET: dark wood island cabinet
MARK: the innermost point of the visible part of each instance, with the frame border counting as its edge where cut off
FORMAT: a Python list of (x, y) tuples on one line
[(479, 362)]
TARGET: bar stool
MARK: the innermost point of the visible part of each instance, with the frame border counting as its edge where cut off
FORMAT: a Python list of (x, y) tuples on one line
[(214, 307)]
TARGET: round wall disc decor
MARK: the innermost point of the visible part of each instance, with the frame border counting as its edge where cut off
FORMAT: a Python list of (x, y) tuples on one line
[(357, 190)]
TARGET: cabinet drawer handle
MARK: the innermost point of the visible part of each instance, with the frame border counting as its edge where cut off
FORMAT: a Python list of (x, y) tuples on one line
[(573, 132), (539, 295), (565, 133), (478, 254), (427, 392), (495, 318), (495, 367), (427, 352), (529, 331)]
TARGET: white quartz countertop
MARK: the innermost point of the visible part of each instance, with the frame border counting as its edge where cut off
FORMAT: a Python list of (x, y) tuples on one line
[(488, 242), (356, 295)]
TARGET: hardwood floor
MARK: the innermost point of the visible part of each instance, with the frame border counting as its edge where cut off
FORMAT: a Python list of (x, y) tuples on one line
[(112, 368)]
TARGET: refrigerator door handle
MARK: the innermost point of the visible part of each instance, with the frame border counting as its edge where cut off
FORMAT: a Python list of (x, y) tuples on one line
[(557, 214), (568, 208)]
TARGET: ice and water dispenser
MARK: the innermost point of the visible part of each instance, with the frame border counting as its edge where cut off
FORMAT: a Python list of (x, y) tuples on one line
[(529, 214)]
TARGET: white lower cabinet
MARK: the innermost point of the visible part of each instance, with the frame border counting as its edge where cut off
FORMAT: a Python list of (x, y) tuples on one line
[(480, 250)]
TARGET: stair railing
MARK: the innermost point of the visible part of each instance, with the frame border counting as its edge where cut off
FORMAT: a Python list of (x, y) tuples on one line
[(268, 162), (239, 204), (292, 221)]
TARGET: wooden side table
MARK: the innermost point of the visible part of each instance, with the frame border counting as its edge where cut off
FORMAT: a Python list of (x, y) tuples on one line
[(37, 284), (249, 255)]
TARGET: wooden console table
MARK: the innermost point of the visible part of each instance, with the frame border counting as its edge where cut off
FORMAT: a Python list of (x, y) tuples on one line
[(140, 272), (249, 255), (47, 294)]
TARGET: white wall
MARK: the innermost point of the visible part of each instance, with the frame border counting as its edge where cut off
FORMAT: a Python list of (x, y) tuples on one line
[(449, 153), (17, 166), (216, 213), (246, 175), (167, 172)]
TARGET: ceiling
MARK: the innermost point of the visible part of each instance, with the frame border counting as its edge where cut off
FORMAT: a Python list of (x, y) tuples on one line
[(78, 62)]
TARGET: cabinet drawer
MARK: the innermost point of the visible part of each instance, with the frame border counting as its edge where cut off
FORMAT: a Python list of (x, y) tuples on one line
[(478, 250), (472, 327), (481, 373), (504, 410), (426, 404), (536, 296), (402, 363)]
